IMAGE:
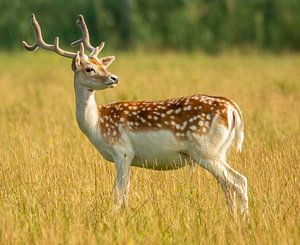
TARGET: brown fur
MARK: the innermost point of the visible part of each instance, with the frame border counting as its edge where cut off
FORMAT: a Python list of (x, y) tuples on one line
[(97, 63), (191, 114)]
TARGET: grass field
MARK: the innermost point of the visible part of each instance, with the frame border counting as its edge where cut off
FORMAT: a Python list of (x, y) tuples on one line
[(55, 188)]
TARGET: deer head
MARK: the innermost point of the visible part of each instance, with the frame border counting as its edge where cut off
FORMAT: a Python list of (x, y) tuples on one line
[(90, 71)]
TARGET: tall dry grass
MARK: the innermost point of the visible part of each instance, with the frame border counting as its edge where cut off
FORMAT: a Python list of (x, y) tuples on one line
[(55, 188)]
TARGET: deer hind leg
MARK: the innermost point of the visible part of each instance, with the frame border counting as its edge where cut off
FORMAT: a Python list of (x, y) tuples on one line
[(242, 190), (230, 196), (225, 178)]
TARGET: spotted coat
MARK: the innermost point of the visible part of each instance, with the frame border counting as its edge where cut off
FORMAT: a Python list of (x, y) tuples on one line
[(190, 114)]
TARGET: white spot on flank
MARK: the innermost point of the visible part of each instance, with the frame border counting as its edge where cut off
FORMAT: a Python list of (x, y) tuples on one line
[(163, 115), (149, 116), (177, 110), (122, 119), (187, 108), (208, 117), (170, 111), (155, 117), (193, 127), (201, 123)]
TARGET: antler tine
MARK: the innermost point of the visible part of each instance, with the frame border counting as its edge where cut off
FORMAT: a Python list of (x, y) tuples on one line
[(85, 34), (97, 50), (85, 39), (40, 43), (38, 35)]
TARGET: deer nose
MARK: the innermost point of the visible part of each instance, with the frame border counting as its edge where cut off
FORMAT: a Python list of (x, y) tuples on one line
[(113, 78)]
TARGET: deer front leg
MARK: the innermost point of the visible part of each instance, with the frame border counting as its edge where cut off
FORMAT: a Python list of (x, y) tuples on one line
[(122, 180)]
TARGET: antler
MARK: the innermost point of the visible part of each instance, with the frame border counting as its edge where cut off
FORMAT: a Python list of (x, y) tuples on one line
[(86, 38), (40, 43)]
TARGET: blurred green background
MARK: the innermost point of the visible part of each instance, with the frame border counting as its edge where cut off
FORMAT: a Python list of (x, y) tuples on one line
[(208, 25)]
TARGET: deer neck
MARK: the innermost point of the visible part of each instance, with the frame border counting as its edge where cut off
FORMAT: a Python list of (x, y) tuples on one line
[(87, 114)]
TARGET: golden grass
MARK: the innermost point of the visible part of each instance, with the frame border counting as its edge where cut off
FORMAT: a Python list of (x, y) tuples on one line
[(55, 188)]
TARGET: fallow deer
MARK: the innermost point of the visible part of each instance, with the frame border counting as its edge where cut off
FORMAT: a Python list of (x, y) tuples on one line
[(164, 134)]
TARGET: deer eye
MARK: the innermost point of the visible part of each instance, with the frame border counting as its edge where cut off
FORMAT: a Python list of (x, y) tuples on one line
[(89, 69)]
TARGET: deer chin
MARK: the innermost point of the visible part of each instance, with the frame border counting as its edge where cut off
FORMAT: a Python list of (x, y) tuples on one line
[(111, 84)]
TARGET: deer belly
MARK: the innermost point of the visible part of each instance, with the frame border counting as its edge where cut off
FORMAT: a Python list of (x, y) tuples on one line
[(157, 150)]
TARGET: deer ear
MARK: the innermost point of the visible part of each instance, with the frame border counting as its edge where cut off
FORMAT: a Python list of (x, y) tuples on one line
[(76, 62), (106, 61)]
